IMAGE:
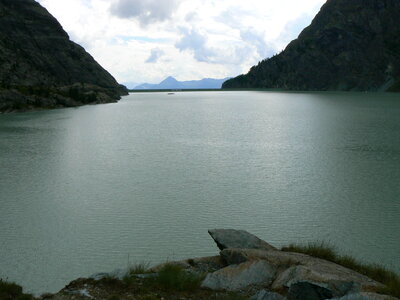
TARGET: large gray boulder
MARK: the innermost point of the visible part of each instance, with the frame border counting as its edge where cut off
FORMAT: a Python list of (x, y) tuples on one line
[(338, 278), (295, 267), (231, 238), (366, 296), (236, 277)]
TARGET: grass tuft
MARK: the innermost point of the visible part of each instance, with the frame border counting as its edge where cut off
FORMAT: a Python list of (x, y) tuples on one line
[(12, 291), (379, 273), (139, 268), (174, 277), (320, 250)]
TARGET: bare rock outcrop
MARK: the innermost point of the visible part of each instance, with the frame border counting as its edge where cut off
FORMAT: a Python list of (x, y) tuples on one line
[(231, 238)]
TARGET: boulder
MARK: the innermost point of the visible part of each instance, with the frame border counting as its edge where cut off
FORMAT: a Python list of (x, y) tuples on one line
[(236, 277), (337, 278), (267, 295), (308, 291), (294, 267), (366, 296), (231, 238)]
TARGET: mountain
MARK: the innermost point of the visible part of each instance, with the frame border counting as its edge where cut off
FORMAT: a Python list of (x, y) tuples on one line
[(130, 84), (170, 83), (41, 68), (350, 46)]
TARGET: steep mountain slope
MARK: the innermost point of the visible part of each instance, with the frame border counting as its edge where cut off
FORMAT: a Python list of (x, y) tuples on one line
[(171, 83), (41, 67), (350, 45)]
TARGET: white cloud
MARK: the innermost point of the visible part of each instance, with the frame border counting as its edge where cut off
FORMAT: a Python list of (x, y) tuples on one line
[(196, 42), (155, 55), (146, 11), (148, 40)]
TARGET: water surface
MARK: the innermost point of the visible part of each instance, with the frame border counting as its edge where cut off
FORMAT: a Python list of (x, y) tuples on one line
[(95, 188)]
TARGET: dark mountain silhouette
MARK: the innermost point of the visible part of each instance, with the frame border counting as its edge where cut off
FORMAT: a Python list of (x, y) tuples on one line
[(41, 67), (350, 46)]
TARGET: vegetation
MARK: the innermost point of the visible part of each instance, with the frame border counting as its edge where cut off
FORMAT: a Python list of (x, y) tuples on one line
[(174, 277), (140, 268), (170, 282), (381, 274), (12, 291)]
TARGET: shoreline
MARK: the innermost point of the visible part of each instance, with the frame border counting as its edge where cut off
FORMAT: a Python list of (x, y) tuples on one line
[(246, 268)]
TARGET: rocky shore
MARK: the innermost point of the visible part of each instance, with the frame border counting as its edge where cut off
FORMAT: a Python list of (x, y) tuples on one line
[(246, 268)]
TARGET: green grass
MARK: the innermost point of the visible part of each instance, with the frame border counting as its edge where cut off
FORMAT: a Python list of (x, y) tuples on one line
[(390, 279), (12, 291), (139, 268), (174, 277)]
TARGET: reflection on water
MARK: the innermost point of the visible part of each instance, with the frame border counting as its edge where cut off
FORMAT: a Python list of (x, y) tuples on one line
[(84, 190)]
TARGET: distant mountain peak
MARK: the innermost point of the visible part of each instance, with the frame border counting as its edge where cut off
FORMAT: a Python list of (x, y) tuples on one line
[(171, 83), (169, 79)]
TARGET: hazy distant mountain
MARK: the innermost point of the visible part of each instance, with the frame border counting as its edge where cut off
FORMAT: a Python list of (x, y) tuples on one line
[(130, 84), (350, 45), (170, 83)]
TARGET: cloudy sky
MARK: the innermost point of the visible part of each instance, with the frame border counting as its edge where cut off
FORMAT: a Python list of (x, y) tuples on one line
[(147, 40)]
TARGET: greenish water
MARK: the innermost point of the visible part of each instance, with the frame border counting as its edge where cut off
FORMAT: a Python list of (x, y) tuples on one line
[(89, 189)]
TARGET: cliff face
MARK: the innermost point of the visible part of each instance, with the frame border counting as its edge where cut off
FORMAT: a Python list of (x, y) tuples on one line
[(41, 67), (350, 45)]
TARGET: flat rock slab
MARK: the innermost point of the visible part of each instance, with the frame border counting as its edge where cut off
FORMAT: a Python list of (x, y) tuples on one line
[(241, 239), (237, 277), (366, 296), (294, 267)]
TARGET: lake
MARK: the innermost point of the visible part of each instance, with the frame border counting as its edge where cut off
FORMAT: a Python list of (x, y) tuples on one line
[(96, 188)]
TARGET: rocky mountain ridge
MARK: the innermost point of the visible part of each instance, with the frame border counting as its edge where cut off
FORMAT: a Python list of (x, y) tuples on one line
[(40, 67), (349, 46)]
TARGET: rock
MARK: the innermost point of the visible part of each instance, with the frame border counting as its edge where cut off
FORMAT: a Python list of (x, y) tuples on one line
[(236, 277), (267, 295), (116, 274), (337, 278), (308, 291), (145, 276), (231, 238), (198, 265), (294, 267), (350, 45), (366, 296)]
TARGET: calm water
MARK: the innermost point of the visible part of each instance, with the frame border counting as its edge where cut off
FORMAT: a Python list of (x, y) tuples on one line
[(92, 189)]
